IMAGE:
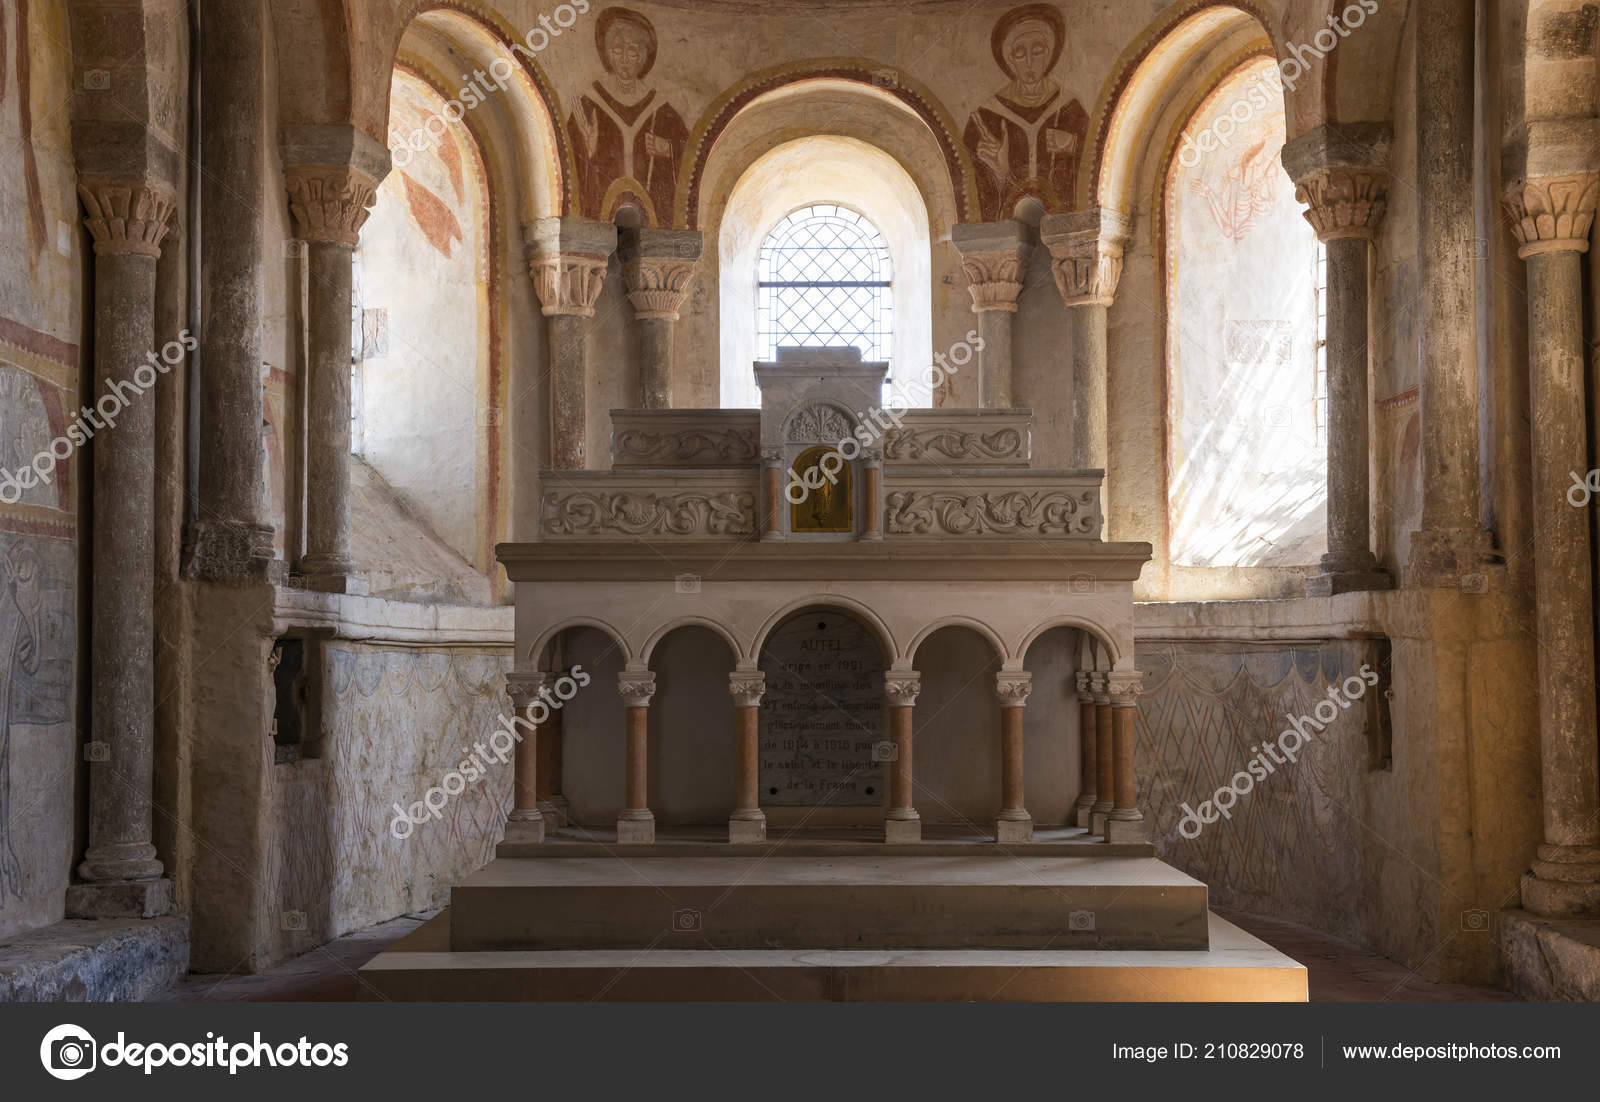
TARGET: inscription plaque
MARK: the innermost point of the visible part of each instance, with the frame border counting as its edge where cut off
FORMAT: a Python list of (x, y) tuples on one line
[(822, 715)]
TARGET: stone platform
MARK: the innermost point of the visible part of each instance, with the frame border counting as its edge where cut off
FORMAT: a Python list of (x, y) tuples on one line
[(831, 917)]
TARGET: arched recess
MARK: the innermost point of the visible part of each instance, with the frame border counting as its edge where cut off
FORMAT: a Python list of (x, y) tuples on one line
[(1152, 90), (871, 620), (844, 121), (693, 749), (1102, 644), (956, 721), (515, 84)]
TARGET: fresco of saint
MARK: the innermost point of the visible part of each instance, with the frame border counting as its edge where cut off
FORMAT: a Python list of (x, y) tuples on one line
[(1028, 137), (626, 140)]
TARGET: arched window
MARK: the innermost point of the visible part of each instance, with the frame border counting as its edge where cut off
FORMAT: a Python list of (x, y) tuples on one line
[(824, 280)]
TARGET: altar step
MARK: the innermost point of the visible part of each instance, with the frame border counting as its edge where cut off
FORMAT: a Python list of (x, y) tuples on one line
[(991, 900), (1236, 968)]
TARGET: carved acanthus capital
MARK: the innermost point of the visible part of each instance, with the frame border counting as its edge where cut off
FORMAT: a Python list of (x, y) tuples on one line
[(126, 216), (747, 687), (902, 687), (995, 279), (1083, 683), (1012, 689), (1553, 213), (330, 203), (524, 687), (1086, 250), (568, 283), (1124, 687), (1344, 200), (657, 286), (636, 687)]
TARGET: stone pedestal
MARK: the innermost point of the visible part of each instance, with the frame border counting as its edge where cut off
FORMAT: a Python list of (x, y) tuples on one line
[(901, 822), (994, 256), (637, 824), (567, 259), (658, 269), (748, 823)]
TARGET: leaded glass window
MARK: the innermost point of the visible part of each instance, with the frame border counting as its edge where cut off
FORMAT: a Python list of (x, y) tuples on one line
[(823, 280)]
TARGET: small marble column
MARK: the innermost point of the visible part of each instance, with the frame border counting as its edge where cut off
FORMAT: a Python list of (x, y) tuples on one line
[(1086, 250), (123, 877), (636, 824), (1451, 542), (748, 822), (1552, 217), (994, 256), (330, 203), (901, 823), (526, 823), (1340, 173), (1104, 763), (567, 259), (872, 494), (231, 540), (1086, 746), (1125, 822), (772, 494), (658, 269), (1012, 823)]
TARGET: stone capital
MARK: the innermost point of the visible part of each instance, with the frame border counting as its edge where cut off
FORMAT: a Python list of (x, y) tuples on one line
[(1012, 688), (125, 215), (1082, 681), (747, 687), (1553, 213), (523, 687), (1086, 249), (330, 203), (1124, 687), (994, 256), (636, 687), (1343, 201), (567, 259), (658, 268), (902, 687)]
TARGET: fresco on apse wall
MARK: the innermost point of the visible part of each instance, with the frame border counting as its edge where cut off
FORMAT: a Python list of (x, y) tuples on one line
[(1027, 138), (423, 262), (627, 141), (395, 723), (1305, 843), (1247, 461)]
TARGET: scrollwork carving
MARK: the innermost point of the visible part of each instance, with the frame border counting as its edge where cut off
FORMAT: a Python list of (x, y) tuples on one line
[(952, 444), (820, 423), (644, 513), (694, 446), (995, 512)]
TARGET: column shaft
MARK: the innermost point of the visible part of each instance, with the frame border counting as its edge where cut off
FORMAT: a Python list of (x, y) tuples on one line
[(526, 822), (327, 557), (1089, 444), (772, 497), (655, 363), (872, 499), (567, 404), (1125, 822), (1349, 526), (1088, 764), (1105, 769), (903, 823), (994, 360)]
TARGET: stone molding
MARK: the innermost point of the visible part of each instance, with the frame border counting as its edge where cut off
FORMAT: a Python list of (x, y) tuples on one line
[(1553, 213), (1344, 201), (330, 203), (902, 687), (632, 511), (1086, 250), (1012, 689), (747, 687), (636, 687), (126, 216)]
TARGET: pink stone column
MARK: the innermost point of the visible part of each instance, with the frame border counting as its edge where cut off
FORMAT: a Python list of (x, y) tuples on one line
[(1086, 746), (901, 822), (1125, 822), (526, 823), (1012, 822), (748, 823), (636, 824)]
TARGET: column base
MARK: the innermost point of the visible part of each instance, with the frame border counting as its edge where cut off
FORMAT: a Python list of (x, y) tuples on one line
[(902, 831), (1126, 830), (1081, 813), (525, 825), (1336, 582), (554, 817), (232, 551), (1098, 814), (747, 827), (117, 863), (120, 899), (1013, 830), (1448, 558), (1565, 882), (334, 582), (636, 828), (563, 810)]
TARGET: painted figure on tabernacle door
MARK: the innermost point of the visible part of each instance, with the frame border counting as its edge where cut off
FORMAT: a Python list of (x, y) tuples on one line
[(626, 140), (1027, 137)]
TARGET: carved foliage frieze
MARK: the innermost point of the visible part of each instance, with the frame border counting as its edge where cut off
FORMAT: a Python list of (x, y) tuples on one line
[(940, 444), (959, 512), (702, 447), (602, 513), (820, 423)]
